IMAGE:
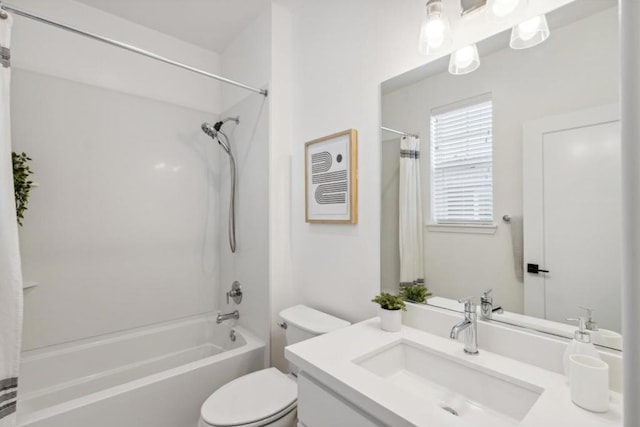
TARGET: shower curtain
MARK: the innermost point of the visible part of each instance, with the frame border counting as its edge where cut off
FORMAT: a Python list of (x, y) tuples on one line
[(10, 269), (411, 262)]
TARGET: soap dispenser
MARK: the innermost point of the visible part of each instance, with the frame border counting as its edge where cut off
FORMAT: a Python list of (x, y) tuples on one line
[(580, 344)]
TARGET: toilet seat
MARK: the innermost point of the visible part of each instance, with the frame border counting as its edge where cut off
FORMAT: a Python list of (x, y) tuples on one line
[(253, 400)]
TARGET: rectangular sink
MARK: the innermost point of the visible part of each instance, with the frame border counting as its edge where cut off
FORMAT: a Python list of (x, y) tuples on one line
[(463, 389)]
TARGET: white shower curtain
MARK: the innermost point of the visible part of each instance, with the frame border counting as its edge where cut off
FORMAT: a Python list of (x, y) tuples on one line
[(10, 270), (411, 262)]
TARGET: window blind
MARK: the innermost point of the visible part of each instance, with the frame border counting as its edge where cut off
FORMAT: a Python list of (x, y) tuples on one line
[(462, 164)]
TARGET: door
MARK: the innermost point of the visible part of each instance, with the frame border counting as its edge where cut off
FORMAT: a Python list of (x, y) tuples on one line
[(572, 216)]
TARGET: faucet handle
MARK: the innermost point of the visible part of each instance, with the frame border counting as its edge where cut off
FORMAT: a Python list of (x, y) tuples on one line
[(486, 296), (589, 310), (590, 323), (469, 305)]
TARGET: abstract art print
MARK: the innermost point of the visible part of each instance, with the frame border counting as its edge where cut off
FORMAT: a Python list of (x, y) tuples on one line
[(331, 178)]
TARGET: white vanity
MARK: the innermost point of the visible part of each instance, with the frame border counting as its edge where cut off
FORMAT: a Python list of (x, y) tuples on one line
[(363, 376)]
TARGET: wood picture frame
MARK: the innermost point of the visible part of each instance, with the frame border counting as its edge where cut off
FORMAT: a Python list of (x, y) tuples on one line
[(331, 178)]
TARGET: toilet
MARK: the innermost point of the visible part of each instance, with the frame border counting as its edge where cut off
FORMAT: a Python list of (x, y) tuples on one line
[(267, 397)]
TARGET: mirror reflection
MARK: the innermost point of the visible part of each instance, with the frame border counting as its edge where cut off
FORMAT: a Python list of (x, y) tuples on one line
[(517, 168)]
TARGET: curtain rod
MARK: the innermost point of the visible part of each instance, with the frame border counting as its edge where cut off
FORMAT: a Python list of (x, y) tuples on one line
[(7, 7), (398, 132)]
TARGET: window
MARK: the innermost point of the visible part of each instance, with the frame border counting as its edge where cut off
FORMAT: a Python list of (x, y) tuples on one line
[(462, 163)]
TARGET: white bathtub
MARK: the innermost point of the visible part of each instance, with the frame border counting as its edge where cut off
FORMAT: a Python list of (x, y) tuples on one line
[(155, 376)]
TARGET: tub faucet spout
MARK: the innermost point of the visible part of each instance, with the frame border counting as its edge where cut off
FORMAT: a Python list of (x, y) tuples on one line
[(222, 317)]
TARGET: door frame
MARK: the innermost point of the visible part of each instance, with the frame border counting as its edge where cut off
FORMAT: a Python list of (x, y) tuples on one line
[(533, 133)]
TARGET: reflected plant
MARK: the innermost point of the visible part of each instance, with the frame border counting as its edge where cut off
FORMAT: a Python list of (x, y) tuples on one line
[(415, 293)]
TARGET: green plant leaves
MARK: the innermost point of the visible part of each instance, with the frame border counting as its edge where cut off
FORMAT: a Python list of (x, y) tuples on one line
[(415, 293), (389, 302), (21, 183)]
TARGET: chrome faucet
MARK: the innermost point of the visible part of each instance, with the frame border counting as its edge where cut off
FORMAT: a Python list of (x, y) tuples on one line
[(486, 306), (222, 317), (469, 326)]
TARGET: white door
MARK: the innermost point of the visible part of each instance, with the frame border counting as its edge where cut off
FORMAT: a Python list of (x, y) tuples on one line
[(572, 216)]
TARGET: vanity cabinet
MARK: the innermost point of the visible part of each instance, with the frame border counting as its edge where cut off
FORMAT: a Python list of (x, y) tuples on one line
[(320, 407)]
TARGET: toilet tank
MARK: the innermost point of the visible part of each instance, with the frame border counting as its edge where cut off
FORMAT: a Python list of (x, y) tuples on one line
[(304, 322)]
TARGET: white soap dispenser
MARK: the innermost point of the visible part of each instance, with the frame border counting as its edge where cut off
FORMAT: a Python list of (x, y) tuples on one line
[(580, 344)]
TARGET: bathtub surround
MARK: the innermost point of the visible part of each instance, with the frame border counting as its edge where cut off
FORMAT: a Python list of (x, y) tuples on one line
[(10, 265)]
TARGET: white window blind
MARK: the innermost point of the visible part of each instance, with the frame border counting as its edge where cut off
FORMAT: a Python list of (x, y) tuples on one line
[(462, 163)]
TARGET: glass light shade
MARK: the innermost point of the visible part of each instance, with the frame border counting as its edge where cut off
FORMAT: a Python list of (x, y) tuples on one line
[(529, 33), (500, 10), (435, 33), (464, 60)]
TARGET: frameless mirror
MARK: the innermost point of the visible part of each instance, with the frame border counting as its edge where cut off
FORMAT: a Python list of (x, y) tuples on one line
[(553, 243)]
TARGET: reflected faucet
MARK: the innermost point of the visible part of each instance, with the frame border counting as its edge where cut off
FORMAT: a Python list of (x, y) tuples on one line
[(486, 306), (469, 326)]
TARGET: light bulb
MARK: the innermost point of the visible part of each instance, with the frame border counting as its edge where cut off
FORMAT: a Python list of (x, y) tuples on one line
[(434, 30), (529, 33), (464, 60), (502, 8), (435, 33), (464, 56), (528, 28)]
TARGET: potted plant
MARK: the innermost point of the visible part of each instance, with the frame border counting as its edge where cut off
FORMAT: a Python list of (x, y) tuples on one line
[(391, 307), (21, 183), (415, 293)]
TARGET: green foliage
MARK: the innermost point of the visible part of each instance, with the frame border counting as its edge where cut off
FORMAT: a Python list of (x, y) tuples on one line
[(21, 183), (389, 302), (415, 293)]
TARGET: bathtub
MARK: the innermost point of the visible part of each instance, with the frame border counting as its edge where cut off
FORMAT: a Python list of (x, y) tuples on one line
[(156, 376)]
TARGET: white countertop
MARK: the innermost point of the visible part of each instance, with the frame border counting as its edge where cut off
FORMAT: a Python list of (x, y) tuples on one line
[(329, 358)]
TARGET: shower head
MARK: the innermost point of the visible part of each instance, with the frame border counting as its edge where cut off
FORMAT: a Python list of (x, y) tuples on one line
[(212, 131)]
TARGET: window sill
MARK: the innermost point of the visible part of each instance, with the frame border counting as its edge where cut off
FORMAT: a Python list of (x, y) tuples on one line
[(463, 228)]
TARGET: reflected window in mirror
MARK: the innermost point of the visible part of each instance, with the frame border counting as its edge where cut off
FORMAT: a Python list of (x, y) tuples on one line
[(462, 162)]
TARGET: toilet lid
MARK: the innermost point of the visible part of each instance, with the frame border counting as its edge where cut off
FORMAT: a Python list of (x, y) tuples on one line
[(250, 398)]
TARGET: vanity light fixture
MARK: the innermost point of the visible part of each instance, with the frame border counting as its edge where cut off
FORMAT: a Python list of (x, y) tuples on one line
[(529, 33), (435, 33), (499, 10), (464, 60)]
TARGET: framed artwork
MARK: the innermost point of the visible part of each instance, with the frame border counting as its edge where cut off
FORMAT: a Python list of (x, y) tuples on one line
[(331, 178)]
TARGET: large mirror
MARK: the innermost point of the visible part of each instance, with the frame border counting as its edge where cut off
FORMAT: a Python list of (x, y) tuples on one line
[(552, 243)]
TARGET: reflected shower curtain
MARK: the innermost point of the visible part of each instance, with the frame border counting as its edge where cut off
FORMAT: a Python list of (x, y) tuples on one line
[(10, 270), (411, 262)]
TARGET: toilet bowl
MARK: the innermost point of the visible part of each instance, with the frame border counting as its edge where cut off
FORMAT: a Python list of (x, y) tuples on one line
[(267, 397), (262, 398)]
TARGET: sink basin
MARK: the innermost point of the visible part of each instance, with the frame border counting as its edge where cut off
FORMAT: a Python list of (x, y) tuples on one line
[(463, 389)]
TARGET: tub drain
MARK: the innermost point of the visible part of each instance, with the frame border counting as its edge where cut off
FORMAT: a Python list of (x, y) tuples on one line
[(450, 410)]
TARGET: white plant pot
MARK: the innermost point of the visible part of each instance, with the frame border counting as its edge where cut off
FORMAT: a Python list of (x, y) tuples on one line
[(390, 320)]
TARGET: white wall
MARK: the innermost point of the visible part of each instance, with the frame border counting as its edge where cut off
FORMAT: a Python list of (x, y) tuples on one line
[(48, 50), (281, 275), (122, 230), (248, 60), (559, 76), (342, 51)]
